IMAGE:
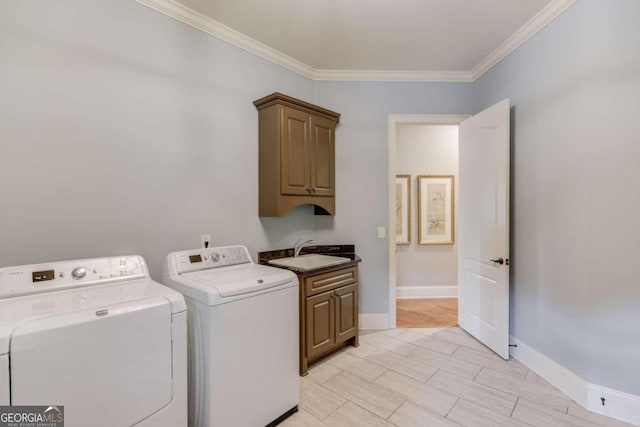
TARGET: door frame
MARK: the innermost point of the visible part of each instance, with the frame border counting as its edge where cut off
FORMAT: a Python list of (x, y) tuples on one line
[(394, 121)]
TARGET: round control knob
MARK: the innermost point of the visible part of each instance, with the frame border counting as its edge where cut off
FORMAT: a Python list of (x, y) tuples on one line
[(79, 273), (215, 257)]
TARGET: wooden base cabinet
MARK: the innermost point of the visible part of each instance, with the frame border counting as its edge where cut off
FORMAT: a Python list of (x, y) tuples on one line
[(320, 323), (346, 299), (328, 313)]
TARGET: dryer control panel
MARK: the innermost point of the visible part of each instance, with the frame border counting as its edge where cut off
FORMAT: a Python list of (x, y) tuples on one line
[(202, 259), (36, 278)]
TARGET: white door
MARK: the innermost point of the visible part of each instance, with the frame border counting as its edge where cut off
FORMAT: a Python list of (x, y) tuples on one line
[(483, 238)]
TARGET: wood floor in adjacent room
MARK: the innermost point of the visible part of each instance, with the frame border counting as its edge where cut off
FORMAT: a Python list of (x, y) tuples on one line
[(427, 312)]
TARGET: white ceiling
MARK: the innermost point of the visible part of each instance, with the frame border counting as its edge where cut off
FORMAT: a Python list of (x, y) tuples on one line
[(436, 37)]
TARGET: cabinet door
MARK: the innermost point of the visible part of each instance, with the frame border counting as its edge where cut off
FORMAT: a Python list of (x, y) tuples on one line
[(320, 313), (346, 312), (294, 154), (322, 166)]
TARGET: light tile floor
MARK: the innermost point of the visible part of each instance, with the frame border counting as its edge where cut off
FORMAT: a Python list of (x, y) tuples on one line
[(430, 377)]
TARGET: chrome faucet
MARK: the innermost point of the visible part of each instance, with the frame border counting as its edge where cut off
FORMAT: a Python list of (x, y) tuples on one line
[(298, 245)]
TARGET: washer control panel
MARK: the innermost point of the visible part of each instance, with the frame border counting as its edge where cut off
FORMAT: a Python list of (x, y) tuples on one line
[(202, 259), (37, 278)]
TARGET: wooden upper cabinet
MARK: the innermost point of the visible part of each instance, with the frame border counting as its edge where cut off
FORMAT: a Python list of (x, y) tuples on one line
[(322, 165), (295, 152), (296, 155)]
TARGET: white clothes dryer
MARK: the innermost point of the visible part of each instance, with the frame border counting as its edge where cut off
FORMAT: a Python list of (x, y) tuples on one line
[(243, 337), (96, 336)]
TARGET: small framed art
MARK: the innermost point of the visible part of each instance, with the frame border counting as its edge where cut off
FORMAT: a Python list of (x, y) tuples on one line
[(403, 209), (436, 210)]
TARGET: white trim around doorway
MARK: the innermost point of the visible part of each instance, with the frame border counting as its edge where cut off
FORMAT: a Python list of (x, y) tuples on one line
[(394, 121)]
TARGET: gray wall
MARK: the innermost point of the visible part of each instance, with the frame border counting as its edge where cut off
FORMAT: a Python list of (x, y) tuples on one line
[(575, 91), (125, 131), (426, 150), (362, 165)]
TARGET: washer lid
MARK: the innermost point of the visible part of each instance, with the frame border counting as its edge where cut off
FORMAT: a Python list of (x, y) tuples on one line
[(235, 281), (17, 310)]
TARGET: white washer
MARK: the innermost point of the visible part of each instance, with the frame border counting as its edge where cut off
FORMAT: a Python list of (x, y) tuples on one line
[(243, 337), (97, 336)]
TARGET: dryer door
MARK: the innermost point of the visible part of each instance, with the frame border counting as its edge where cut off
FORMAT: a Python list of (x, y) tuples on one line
[(4, 379), (109, 366)]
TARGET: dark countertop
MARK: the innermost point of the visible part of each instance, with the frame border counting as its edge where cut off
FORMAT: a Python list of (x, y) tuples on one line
[(347, 251)]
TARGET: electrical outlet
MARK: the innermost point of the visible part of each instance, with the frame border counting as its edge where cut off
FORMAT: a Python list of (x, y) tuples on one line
[(382, 232), (205, 241)]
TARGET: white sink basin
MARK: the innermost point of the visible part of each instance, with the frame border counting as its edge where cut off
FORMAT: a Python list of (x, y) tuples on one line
[(309, 262)]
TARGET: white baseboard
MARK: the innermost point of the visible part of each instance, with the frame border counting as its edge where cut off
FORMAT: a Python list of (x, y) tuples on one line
[(373, 320), (563, 379), (619, 405), (426, 291)]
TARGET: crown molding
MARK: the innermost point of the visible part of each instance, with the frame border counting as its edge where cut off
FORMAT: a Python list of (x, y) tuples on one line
[(393, 76), (216, 29), (528, 30)]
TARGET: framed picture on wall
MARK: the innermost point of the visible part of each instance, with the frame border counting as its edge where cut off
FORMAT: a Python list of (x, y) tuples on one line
[(435, 210), (403, 209)]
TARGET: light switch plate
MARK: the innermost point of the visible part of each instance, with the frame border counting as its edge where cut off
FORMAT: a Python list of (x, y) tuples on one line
[(382, 232)]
